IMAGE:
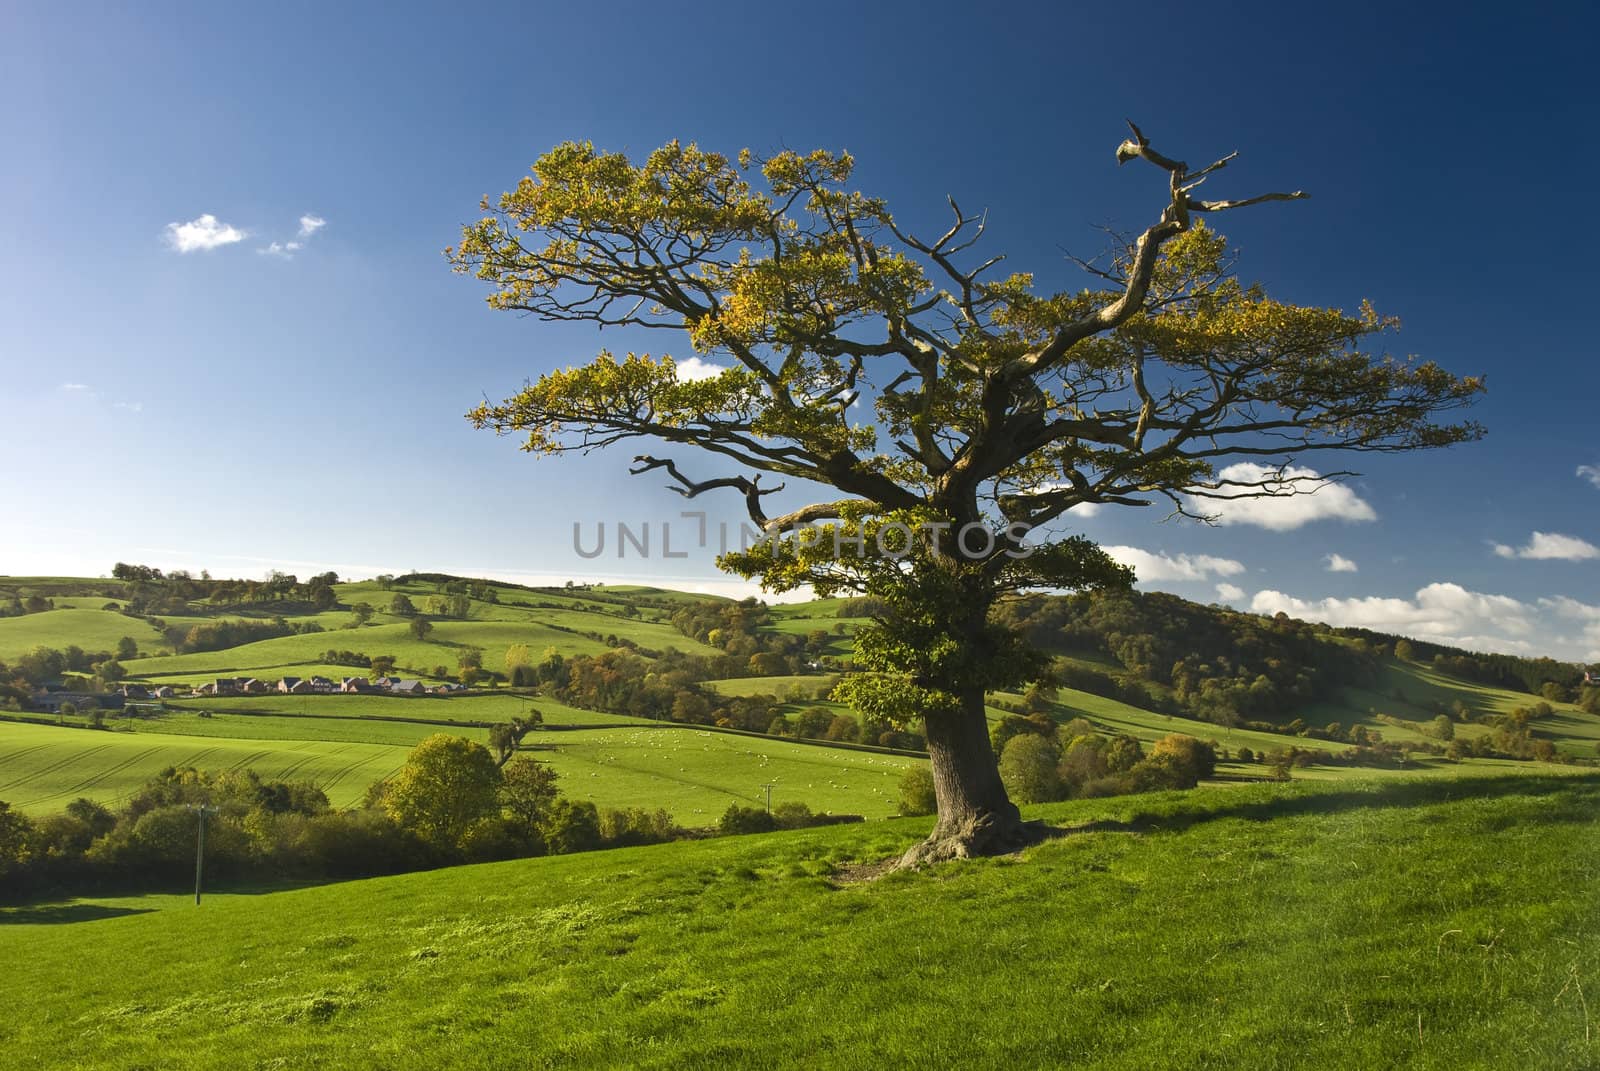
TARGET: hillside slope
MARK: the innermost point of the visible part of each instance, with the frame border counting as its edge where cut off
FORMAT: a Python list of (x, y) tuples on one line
[(1430, 925)]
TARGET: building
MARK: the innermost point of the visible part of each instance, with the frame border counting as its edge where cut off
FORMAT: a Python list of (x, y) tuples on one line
[(54, 701)]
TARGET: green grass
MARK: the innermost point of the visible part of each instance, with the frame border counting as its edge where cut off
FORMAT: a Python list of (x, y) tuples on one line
[(804, 684), (1112, 716), (42, 768), (92, 630), (1418, 925), (696, 773), (693, 773), (461, 708)]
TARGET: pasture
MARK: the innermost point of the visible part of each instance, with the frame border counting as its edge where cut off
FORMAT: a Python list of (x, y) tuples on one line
[(43, 767), (1260, 926)]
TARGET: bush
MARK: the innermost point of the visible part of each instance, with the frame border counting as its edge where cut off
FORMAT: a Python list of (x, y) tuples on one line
[(635, 825), (917, 794), (572, 826), (1028, 769), (793, 815), (1012, 726), (737, 819), (1085, 760), (1194, 759)]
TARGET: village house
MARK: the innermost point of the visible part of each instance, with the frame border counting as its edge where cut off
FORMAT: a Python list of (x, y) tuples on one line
[(408, 688), (53, 701)]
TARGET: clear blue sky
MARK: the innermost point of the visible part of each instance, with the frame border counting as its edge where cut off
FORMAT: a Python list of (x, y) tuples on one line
[(240, 409)]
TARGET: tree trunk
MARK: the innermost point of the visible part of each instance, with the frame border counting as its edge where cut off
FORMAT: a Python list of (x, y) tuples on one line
[(976, 817)]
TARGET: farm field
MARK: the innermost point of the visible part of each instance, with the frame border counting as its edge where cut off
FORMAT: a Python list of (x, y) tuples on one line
[(1256, 926), (42, 768), (91, 629), (692, 773), (460, 708), (802, 684)]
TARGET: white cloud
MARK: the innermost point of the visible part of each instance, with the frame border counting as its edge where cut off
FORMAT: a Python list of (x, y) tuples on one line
[(1152, 565), (1590, 473), (1229, 592), (1442, 612), (1588, 619), (1085, 510), (310, 225), (206, 232), (1551, 546), (1338, 563), (691, 369), (286, 250), (74, 386), (1301, 497), (132, 407)]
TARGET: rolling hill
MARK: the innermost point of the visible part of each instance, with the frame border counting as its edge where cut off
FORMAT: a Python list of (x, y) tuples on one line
[(1258, 926)]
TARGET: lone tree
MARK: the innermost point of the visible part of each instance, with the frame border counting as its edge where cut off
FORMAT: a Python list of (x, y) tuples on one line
[(954, 409)]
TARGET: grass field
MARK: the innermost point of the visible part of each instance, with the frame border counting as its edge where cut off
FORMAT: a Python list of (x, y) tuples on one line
[(92, 630), (693, 773), (42, 768), (461, 708), (805, 684), (1420, 925)]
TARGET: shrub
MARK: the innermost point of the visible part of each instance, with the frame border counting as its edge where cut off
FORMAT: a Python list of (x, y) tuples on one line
[(1028, 769), (917, 795), (1195, 760), (737, 819), (635, 825), (572, 826)]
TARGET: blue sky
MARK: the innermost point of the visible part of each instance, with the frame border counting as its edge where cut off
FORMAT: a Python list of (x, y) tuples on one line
[(253, 405)]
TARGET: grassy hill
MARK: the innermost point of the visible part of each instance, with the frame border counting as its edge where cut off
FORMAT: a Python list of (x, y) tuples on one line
[(613, 764), (692, 773), (42, 768), (1403, 924)]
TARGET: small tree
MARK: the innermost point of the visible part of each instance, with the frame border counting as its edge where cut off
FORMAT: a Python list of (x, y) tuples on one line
[(916, 791), (506, 737), (447, 783), (528, 791), (127, 648), (420, 627), (1028, 766)]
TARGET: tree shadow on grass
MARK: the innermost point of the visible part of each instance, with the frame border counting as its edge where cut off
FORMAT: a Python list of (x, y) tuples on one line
[(1193, 810), (47, 914)]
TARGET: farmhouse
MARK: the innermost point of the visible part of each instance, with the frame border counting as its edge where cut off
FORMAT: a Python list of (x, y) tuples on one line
[(408, 688), (53, 701), (222, 686)]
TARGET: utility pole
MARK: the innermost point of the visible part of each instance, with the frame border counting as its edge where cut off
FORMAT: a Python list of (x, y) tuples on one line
[(200, 843), (769, 787)]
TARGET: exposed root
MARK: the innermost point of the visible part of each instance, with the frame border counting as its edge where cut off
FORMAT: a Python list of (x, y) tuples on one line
[(977, 836)]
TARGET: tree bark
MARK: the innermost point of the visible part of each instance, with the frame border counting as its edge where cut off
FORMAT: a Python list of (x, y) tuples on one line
[(976, 817)]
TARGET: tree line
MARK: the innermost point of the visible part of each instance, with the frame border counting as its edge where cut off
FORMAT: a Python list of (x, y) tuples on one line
[(451, 802)]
